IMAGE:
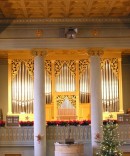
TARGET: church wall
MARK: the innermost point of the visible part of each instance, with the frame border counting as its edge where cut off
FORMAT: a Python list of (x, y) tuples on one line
[(126, 81), (53, 35), (4, 87), (57, 30)]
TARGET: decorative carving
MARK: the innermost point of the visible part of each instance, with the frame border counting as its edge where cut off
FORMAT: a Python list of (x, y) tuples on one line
[(57, 66), (71, 64), (39, 33), (113, 63), (114, 66), (102, 63), (60, 133), (30, 66), (61, 98), (17, 135), (94, 32), (95, 51), (82, 66), (48, 67), (39, 52), (15, 67), (66, 20), (64, 9), (25, 135)]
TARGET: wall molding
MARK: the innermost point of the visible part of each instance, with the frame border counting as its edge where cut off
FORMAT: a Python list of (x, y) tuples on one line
[(65, 20), (63, 43)]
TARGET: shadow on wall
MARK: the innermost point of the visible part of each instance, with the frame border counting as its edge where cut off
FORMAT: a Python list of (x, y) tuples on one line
[(4, 86), (126, 81), (4, 23), (1, 114)]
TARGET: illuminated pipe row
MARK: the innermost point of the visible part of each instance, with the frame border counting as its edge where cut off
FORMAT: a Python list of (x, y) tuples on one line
[(65, 81), (47, 87), (85, 86), (22, 91), (110, 95)]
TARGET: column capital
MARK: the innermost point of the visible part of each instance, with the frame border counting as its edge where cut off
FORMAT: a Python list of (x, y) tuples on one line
[(39, 52), (95, 52)]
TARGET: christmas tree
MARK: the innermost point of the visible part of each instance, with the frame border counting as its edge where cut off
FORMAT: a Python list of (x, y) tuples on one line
[(109, 144)]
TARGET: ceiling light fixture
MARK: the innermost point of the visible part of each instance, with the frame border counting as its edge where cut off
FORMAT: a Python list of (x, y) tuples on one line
[(70, 33)]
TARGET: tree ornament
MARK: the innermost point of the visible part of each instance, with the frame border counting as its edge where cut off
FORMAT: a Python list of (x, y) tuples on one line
[(110, 143)]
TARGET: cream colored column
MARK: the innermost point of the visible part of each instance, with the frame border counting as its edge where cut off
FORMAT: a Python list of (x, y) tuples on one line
[(120, 87), (77, 89), (39, 104), (96, 96), (9, 88)]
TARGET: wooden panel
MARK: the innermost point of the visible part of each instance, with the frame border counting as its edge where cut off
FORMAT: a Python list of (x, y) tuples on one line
[(49, 112), (84, 111), (63, 8), (69, 150), (66, 114)]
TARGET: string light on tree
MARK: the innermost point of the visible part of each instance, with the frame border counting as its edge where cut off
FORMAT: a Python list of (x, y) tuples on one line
[(110, 143)]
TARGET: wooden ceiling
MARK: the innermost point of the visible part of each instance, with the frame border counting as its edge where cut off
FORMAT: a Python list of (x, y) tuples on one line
[(63, 8)]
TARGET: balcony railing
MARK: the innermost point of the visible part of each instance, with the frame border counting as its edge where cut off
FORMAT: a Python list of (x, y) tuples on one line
[(24, 136), (16, 136)]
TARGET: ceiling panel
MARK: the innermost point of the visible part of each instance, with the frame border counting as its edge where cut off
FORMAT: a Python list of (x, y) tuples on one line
[(63, 8)]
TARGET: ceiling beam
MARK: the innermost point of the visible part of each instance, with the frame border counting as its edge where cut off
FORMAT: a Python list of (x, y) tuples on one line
[(109, 7), (67, 8), (45, 3), (24, 9), (89, 4)]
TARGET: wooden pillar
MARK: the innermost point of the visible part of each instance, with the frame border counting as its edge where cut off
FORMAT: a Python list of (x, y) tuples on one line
[(53, 90), (120, 87), (9, 88), (77, 89)]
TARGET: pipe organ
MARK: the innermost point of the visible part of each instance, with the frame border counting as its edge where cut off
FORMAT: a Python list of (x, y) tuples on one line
[(67, 87)]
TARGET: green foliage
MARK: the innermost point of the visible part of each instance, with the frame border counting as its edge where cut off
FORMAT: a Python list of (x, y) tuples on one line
[(110, 144)]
